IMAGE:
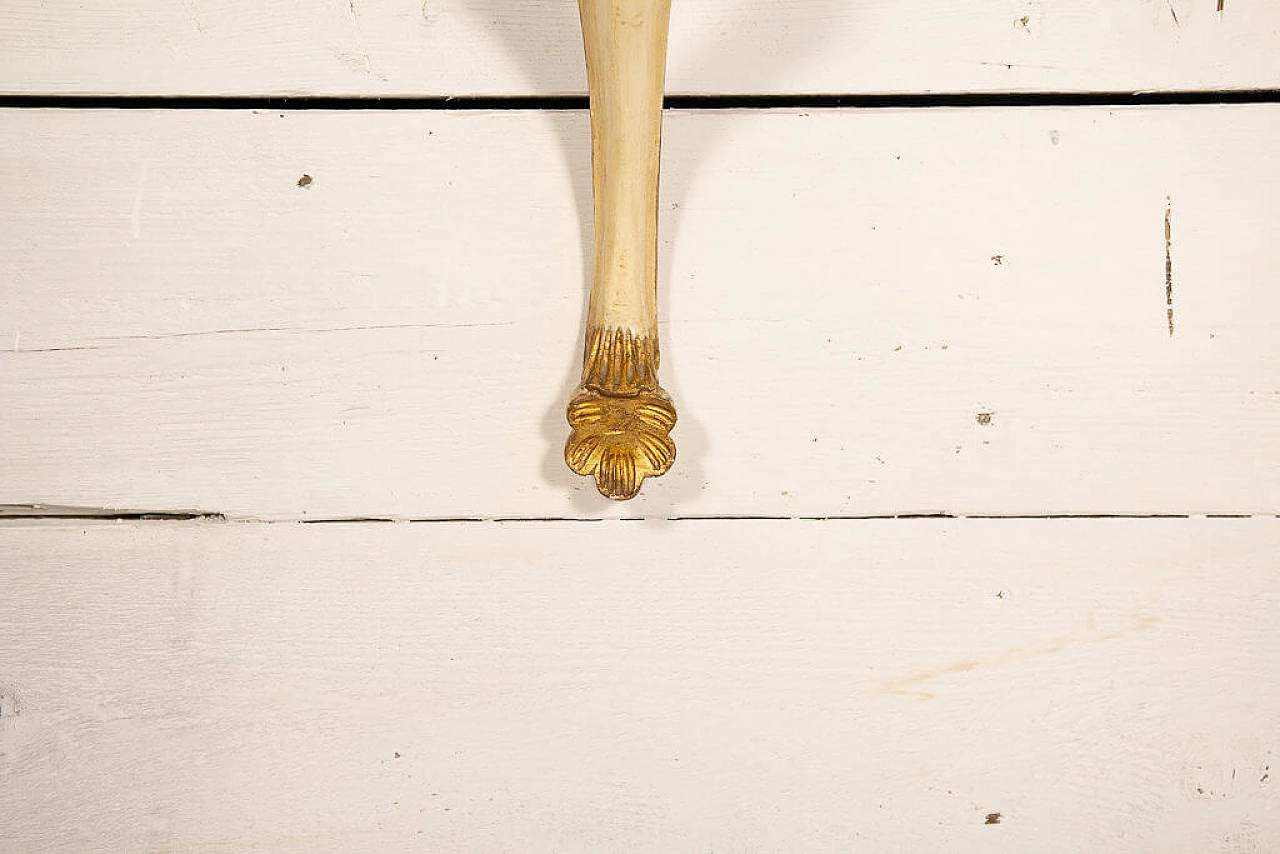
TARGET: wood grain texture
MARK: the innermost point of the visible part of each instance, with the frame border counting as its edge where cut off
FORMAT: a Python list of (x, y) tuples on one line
[(908, 312), (619, 686), (522, 47)]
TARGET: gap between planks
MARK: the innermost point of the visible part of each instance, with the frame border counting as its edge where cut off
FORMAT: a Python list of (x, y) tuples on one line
[(33, 512), (534, 103)]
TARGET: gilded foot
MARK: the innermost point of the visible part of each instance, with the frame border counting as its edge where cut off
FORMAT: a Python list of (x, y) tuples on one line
[(620, 439)]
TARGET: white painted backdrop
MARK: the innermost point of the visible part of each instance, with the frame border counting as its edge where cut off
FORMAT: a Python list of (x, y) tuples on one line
[(270, 318)]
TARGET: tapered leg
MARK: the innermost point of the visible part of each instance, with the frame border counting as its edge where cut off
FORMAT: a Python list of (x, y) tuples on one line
[(621, 417)]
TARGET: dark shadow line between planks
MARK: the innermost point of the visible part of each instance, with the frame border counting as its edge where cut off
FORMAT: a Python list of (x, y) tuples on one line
[(674, 102), (29, 512)]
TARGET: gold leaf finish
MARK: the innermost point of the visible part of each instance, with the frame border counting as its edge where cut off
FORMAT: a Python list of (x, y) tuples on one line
[(620, 440), (619, 362)]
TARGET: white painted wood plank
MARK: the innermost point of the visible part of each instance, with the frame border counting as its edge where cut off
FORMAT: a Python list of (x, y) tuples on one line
[(519, 47), (845, 294), (691, 686)]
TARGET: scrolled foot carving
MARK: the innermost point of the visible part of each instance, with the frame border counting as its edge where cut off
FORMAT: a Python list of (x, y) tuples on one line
[(619, 439)]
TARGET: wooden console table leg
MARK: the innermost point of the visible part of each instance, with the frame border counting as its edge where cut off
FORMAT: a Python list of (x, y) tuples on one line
[(621, 417)]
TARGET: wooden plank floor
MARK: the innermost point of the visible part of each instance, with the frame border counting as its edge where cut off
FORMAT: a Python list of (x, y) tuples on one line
[(908, 685), (220, 320)]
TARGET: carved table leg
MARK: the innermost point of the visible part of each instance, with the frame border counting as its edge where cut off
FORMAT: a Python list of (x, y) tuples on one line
[(621, 418)]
